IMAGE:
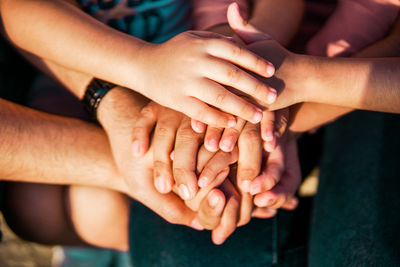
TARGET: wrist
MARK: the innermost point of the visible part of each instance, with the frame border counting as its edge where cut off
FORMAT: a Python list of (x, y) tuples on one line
[(309, 79), (133, 68), (118, 107)]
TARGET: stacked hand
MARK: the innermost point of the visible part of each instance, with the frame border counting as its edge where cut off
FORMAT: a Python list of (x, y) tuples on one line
[(223, 176)]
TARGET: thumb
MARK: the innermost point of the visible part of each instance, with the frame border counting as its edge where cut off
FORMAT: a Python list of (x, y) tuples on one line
[(247, 32)]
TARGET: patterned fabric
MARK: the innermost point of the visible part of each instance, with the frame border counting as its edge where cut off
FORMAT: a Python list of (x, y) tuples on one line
[(151, 20), (208, 13)]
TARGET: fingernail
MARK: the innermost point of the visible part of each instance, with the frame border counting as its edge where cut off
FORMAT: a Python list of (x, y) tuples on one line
[(197, 126), (271, 96), (231, 123), (270, 71), (257, 116), (196, 225), (213, 200), (136, 148), (269, 135), (184, 192), (203, 182), (226, 145), (246, 186), (160, 185), (212, 145), (255, 188), (270, 146)]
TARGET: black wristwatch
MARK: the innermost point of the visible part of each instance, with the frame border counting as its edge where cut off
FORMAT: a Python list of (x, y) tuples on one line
[(95, 91)]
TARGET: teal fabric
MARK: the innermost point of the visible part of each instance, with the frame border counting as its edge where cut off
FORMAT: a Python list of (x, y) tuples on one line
[(274, 242), (151, 20), (95, 257), (356, 216)]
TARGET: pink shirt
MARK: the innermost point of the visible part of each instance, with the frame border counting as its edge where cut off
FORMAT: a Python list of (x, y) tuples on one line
[(209, 13), (354, 25)]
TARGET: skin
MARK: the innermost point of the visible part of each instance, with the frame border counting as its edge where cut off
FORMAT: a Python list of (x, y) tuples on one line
[(374, 87), (94, 46), (77, 153)]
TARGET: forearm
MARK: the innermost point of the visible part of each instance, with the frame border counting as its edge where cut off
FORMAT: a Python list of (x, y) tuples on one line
[(43, 148), (306, 116), (280, 19), (76, 82), (60, 32)]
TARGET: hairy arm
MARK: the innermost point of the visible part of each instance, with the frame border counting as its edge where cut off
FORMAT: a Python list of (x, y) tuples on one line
[(43, 148)]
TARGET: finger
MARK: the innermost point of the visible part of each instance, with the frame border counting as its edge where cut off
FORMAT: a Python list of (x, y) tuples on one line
[(250, 156), (185, 154), (215, 165), (224, 49), (163, 140), (218, 96), (203, 156), (245, 31), (246, 208), (271, 174), (263, 213), (230, 215), (231, 135), (194, 203), (211, 209), (268, 130), (143, 128), (200, 111), (246, 202), (229, 74), (283, 193), (291, 204), (211, 140), (173, 209), (198, 126)]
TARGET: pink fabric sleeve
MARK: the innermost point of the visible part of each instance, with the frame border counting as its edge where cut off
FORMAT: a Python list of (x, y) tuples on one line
[(208, 13), (354, 25)]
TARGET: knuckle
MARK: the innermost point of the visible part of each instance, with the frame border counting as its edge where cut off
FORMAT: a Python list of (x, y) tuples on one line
[(148, 111), (163, 131), (234, 75), (162, 162), (260, 65), (252, 136), (180, 173), (237, 51), (187, 135), (248, 172), (260, 89), (220, 99), (140, 131)]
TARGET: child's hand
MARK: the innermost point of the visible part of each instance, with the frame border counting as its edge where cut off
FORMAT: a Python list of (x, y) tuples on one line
[(287, 64), (188, 73), (276, 186)]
